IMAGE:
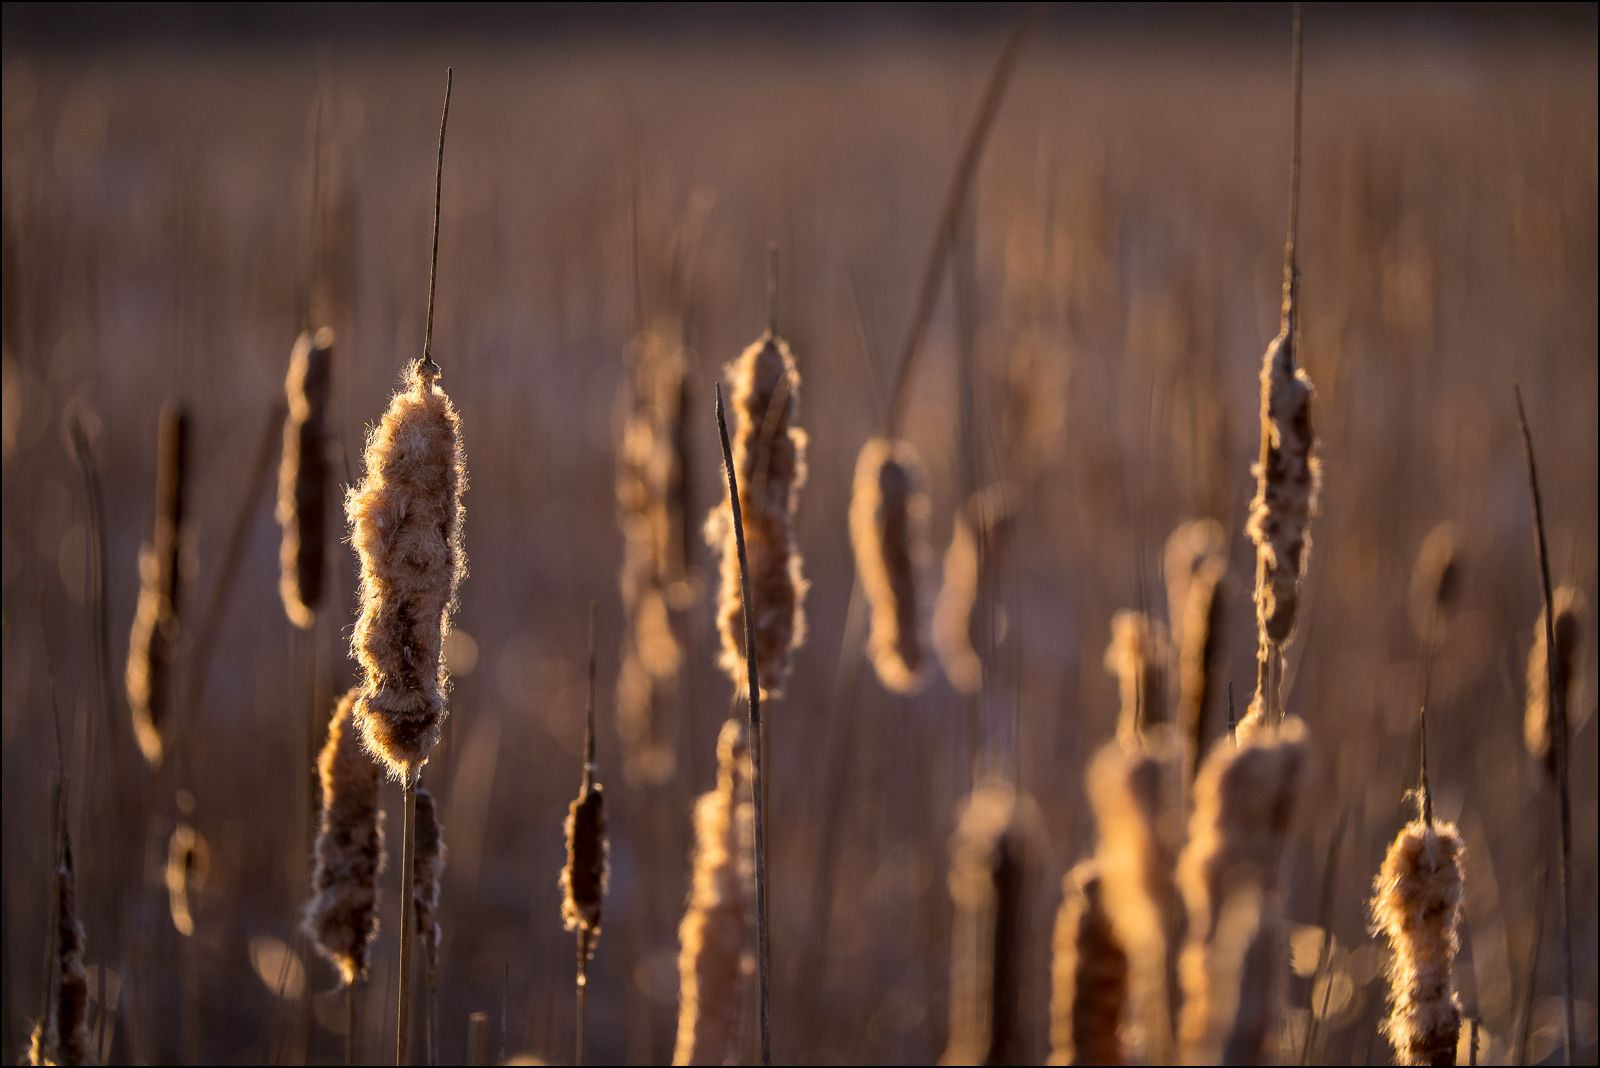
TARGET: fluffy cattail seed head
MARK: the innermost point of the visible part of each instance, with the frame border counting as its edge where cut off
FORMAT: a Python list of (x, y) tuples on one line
[(583, 879), (342, 916), (970, 569), (1416, 906), (1137, 657), (769, 456), (428, 875), (1089, 975), (714, 952), (303, 476), (1568, 627), (153, 642), (406, 525), (888, 513)]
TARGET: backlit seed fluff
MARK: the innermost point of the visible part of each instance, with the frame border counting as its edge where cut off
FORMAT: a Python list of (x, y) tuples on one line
[(1286, 488), (970, 571), (584, 877), (153, 642), (714, 947), (303, 477), (769, 457), (1568, 626), (1137, 658), (1416, 906), (406, 525), (428, 875), (1089, 975), (342, 915), (62, 1037), (888, 515), (1434, 579)]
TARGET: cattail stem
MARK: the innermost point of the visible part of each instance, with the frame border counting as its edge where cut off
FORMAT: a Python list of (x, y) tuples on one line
[(756, 747), (350, 1024), (583, 995), (428, 367), (408, 862), (1558, 736)]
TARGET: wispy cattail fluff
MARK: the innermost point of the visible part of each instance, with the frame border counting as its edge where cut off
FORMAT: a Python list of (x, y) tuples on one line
[(303, 476), (1434, 578), (583, 879), (153, 643), (342, 916), (970, 572), (1243, 801), (62, 1037), (1568, 627), (1137, 797), (428, 875), (188, 865), (1137, 657), (1416, 906), (769, 454), (888, 513), (995, 844), (405, 521), (1089, 975), (714, 947)]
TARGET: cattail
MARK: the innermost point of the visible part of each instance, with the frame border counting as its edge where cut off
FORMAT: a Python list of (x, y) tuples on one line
[(1138, 656), (888, 511), (1189, 547), (1137, 797), (342, 916), (1243, 801), (188, 864), (583, 878), (991, 855), (1568, 628), (1089, 975), (969, 571), (62, 1036), (769, 456), (303, 476), (1199, 650), (714, 953), (405, 522), (1434, 579), (1416, 906), (153, 643)]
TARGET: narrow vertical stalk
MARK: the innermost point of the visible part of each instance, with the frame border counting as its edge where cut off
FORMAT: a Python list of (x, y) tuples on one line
[(408, 863), (350, 1024), (757, 740), (583, 995)]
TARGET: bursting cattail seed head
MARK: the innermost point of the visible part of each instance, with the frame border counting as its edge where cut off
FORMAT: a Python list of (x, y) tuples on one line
[(1416, 906), (153, 642), (714, 946), (1137, 657), (428, 875), (342, 915), (303, 476), (62, 1037), (406, 525), (1089, 975), (888, 513), (1568, 626), (769, 455), (969, 570)]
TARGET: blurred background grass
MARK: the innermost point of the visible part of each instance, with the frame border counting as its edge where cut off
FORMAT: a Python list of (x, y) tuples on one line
[(1126, 236)]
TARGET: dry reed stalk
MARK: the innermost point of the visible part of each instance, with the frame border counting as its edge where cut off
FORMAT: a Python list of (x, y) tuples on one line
[(188, 864), (1287, 473), (769, 456), (342, 916), (1137, 797), (584, 876), (970, 568), (888, 514), (153, 643), (1137, 657), (1243, 801), (1089, 973), (1416, 906), (426, 880), (303, 476), (714, 953), (1560, 671), (61, 1035), (1434, 580), (991, 855)]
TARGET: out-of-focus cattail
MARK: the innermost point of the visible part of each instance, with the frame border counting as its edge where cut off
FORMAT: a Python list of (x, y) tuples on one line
[(342, 916), (1243, 801), (427, 876), (714, 945), (1089, 973), (303, 476), (405, 523), (996, 841), (188, 865), (1196, 563), (769, 455), (62, 1036), (1189, 547), (1434, 579), (970, 569), (1138, 656), (1568, 628), (888, 514), (153, 643), (1416, 906), (584, 876)]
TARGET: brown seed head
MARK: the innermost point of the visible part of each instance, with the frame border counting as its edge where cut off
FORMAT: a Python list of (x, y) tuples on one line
[(406, 524), (1190, 547), (303, 476), (888, 512), (583, 879), (970, 569), (1089, 973), (153, 642), (1199, 649), (1568, 627), (1137, 657)]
